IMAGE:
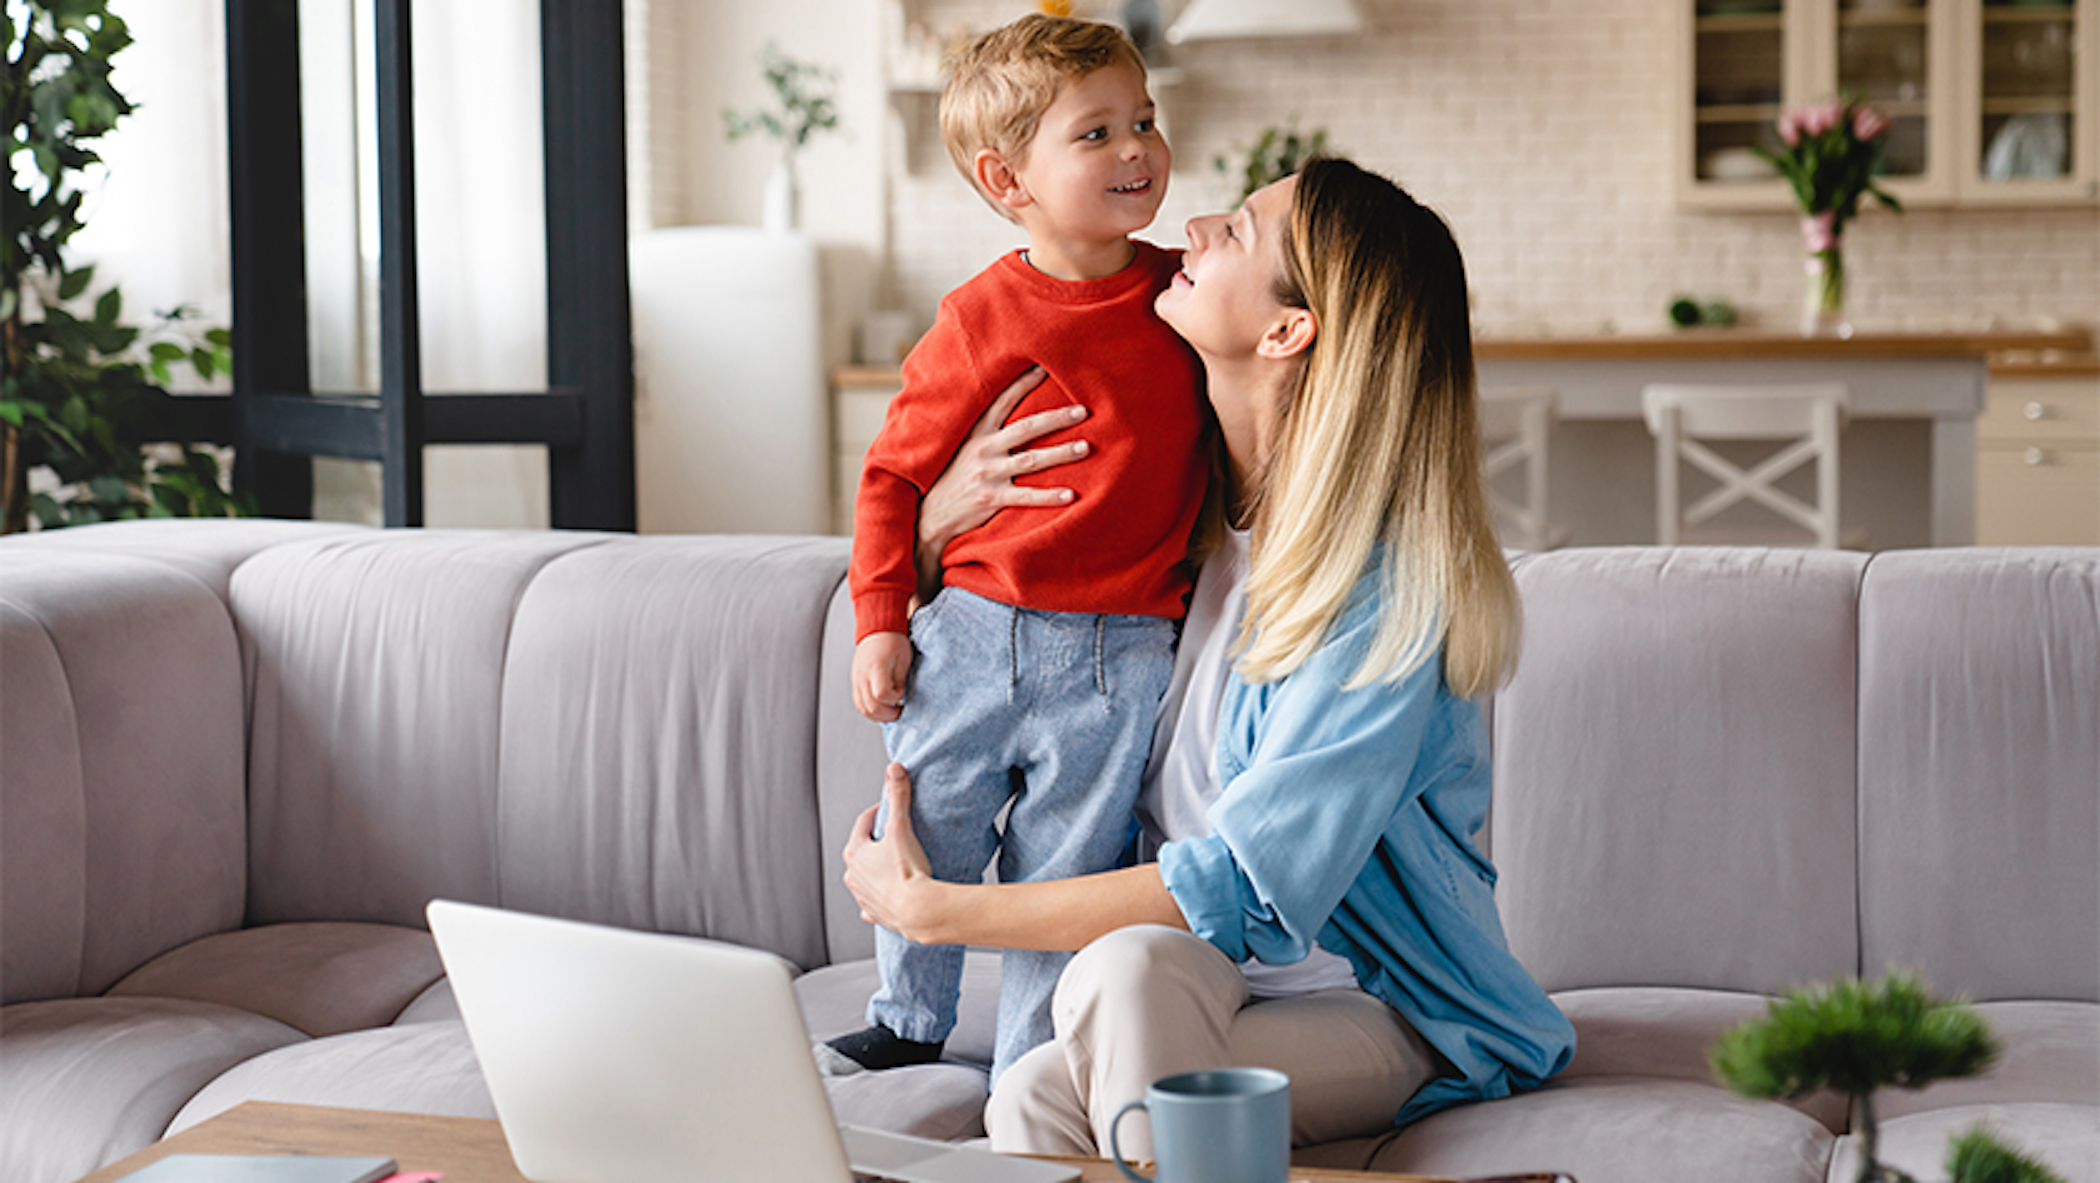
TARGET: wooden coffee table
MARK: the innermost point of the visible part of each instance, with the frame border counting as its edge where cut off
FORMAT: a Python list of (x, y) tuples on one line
[(466, 1149)]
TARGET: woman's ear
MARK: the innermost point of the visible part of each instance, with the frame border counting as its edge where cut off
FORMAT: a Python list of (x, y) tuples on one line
[(996, 176), (1291, 335)]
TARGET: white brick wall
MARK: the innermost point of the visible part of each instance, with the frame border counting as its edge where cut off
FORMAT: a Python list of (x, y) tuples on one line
[(1541, 130)]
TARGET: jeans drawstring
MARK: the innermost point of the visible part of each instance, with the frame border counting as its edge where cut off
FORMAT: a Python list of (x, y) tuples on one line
[(1013, 653), (1100, 658)]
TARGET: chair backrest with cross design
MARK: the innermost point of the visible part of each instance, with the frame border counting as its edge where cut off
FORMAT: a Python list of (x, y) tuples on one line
[(1516, 427), (1809, 415)]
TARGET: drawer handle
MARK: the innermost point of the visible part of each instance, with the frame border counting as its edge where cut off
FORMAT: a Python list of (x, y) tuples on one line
[(2038, 457), (2035, 412)]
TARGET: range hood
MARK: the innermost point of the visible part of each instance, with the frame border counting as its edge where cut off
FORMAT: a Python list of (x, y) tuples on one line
[(1209, 20)]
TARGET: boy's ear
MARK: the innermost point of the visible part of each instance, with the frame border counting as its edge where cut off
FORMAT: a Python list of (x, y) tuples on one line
[(1289, 336), (997, 177)]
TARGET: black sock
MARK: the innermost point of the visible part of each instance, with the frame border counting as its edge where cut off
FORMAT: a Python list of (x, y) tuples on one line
[(878, 1047)]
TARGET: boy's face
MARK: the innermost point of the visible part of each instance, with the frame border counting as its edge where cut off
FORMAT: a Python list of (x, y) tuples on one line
[(1097, 168)]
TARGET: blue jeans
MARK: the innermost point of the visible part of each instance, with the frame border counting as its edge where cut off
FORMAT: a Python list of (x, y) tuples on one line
[(1069, 701)]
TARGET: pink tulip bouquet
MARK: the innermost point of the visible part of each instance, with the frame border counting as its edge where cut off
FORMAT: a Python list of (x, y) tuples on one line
[(1831, 154)]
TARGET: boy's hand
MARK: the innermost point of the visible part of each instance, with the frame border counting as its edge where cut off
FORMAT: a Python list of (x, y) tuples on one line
[(881, 662)]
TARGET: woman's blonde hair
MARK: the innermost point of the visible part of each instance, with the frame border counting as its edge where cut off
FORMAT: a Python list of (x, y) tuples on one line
[(1000, 84), (1379, 442)]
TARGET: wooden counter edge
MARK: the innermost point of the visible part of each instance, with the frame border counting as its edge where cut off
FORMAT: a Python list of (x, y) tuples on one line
[(1726, 343), (466, 1149), (1692, 343)]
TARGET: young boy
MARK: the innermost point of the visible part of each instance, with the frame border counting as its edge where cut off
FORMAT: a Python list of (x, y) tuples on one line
[(1036, 674)]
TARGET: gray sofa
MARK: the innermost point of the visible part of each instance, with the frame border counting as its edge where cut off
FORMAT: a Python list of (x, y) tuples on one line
[(237, 758)]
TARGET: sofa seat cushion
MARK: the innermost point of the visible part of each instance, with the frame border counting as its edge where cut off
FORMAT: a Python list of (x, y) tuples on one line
[(1663, 1033), (435, 1005), (944, 1100), (321, 978), (835, 1000), (2066, 1137), (90, 1080), (1625, 1130), (418, 1068), (2052, 1054)]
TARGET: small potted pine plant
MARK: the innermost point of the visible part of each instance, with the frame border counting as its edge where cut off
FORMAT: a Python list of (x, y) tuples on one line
[(1856, 1037), (1977, 1156)]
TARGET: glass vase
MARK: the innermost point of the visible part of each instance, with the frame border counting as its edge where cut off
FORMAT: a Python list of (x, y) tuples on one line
[(1823, 304)]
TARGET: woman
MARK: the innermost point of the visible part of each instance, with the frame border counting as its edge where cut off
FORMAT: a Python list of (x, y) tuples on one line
[(1323, 767)]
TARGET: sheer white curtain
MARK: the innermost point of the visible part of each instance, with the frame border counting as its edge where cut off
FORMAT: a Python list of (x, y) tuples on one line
[(480, 236), (156, 216), (158, 221)]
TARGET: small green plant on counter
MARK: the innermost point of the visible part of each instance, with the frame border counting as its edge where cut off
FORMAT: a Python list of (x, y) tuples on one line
[(803, 102), (1976, 1156), (1856, 1037), (1687, 313), (78, 395), (1279, 152)]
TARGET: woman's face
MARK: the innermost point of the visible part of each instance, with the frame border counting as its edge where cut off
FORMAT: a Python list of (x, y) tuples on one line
[(1224, 300)]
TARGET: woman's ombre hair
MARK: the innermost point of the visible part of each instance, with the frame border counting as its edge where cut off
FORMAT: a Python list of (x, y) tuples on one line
[(1379, 442)]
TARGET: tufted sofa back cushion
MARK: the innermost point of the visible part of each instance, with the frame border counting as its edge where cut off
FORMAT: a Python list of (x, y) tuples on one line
[(120, 767), (608, 728), (659, 735), (375, 665), (1979, 771), (1674, 769)]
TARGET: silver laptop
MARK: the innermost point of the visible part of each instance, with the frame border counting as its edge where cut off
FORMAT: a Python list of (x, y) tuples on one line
[(617, 1056)]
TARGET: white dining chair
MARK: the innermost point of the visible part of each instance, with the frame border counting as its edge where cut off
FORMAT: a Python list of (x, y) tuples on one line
[(1806, 418), (1516, 428)]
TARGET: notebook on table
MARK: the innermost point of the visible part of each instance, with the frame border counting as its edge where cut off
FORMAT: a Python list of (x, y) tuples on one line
[(616, 1056), (261, 1168)]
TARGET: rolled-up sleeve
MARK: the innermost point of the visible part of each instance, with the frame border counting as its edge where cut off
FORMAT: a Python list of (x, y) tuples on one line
[(1323, 773)]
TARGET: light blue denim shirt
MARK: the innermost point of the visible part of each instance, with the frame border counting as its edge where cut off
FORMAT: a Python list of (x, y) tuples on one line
[(1348, 819)]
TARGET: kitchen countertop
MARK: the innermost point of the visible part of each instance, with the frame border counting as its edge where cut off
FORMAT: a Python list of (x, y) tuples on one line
[(2062, 351), (1729, 343)]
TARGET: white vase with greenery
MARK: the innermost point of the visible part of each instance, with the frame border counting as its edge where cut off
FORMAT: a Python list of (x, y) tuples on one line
[(802, 106)]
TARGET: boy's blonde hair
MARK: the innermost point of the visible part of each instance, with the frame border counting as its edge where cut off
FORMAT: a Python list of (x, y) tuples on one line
[(1378, 450), (1002, 82)]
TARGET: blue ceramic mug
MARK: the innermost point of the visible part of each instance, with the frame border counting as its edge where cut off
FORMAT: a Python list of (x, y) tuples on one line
[(1221, 1125)]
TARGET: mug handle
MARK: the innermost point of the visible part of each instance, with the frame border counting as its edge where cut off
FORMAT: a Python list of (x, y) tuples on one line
[(1115, 1151)]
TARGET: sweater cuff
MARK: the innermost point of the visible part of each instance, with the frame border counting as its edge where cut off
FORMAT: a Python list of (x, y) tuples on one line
[(1204, 880), (881, 612)]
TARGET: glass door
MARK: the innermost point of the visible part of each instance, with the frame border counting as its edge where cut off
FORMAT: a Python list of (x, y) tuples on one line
[(2029, 135), (1739, 87), (1885, 57)]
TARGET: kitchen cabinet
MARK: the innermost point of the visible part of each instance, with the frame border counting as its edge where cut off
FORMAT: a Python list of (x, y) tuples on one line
[(860, 397), (2038, 455), (1994, 101)]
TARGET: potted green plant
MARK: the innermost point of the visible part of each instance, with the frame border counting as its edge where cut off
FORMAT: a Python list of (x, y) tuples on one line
[(79, 392), (802, 106), (1857, 1038), (1275, 154), (1977, 1156)]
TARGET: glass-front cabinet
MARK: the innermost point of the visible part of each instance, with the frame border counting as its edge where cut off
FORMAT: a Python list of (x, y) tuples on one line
[(2030, 134), (1993, 101)]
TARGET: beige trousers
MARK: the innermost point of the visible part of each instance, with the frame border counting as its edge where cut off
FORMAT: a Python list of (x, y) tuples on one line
[(1146, 1002)]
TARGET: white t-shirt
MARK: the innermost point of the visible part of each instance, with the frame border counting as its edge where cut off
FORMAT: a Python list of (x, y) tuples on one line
[(1181, 779)]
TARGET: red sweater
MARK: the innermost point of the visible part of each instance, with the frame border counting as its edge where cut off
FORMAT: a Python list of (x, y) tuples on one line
[(1119, 546)]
